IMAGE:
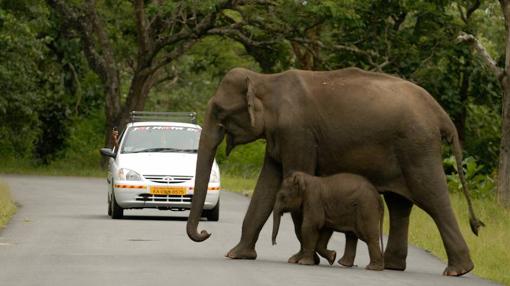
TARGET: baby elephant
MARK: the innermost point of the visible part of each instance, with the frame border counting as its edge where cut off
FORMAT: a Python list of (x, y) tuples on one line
[(343, 202)]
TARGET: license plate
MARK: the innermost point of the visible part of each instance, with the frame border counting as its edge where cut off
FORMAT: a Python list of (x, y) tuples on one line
[(164, 190)]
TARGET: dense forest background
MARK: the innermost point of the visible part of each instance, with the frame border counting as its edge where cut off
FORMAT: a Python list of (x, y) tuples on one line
[(71, 70)]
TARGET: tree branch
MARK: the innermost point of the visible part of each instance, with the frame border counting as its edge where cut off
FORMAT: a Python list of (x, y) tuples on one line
[(169, 79), (398, 20), (237, 35), (471, 9), (174, 54), (480, 49), (141, 29), (199, 28), (505, 8), (461, 13)]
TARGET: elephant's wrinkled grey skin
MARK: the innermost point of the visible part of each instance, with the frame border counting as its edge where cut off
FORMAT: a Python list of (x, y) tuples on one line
[(382, 127), (343, 202)]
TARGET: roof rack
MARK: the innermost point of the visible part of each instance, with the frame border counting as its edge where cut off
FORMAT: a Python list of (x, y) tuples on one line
[(141, 116)]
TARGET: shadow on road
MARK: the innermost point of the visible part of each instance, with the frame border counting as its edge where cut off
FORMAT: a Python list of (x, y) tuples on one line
[(140, 217), (129, 217)]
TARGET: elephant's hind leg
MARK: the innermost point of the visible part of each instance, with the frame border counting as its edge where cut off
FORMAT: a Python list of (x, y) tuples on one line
[(427, 183), (396, 250), (260, 208), (375, 253)]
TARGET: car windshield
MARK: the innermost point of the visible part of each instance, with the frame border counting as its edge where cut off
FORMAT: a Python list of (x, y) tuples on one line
[(161, 139)]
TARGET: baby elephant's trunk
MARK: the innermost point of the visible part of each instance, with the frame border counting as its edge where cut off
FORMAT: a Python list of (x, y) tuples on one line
[(277, 215)]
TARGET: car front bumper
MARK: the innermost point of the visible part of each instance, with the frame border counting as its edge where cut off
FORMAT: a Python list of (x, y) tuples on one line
[(138, 195)]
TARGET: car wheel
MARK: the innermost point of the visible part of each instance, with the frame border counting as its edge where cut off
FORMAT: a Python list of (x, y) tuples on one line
[(109, 202), (117, 211), (214, 213)]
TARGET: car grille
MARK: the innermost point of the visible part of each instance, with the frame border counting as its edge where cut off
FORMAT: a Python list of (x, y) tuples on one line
[(171, 179), (164, 198)]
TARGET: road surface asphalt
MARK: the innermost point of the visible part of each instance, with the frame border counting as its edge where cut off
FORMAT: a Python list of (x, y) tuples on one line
[(62, 235)]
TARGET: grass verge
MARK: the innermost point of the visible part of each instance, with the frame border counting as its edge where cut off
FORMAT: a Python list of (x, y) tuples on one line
[(489, 250), (7, 206), (237, 184), (55, 169)]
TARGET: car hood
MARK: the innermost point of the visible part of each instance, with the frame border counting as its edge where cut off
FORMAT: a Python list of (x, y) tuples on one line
[(159, 163)]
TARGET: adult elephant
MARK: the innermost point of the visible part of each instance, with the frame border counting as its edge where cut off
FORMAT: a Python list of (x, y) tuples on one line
[(382, 127)]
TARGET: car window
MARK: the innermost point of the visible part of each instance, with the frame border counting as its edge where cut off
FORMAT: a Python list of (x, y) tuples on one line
[(160, 139)]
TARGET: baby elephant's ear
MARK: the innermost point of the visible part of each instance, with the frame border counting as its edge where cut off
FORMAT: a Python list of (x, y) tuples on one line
[(299, 181)]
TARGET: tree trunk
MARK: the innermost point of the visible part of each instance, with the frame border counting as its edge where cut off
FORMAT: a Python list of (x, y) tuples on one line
[(308, 55), (503, 187)]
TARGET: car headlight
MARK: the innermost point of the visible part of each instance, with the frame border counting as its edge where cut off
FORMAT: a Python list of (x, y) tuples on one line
[(128, 175), (215, 177)]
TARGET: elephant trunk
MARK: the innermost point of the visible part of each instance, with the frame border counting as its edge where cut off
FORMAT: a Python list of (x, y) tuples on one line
[(211, 136), (277, 215)]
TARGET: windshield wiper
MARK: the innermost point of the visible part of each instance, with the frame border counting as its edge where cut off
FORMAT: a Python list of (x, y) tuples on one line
[(165, 150), (186, 150), (152, 150)]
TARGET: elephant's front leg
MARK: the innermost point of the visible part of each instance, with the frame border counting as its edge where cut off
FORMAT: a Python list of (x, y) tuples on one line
[(310, 236), (303, 141), (260, 208), (297, 219)]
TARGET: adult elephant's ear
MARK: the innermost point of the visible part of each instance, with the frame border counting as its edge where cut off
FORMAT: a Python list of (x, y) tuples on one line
[(254, 104)]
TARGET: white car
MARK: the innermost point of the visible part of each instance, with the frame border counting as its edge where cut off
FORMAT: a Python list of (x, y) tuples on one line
[(154, 167)]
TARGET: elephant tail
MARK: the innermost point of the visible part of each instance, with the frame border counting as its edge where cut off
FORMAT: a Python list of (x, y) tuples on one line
[(453, 138), (381, 221)]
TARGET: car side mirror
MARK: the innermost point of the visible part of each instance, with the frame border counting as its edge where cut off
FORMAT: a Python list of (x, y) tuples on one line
[(107, 152)]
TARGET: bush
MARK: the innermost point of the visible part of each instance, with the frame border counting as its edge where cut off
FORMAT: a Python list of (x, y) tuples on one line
[(480, 185), (86, 137), (483, 129), (244, 161)]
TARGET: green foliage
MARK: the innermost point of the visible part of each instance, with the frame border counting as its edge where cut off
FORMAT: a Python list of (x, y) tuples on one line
[(85, 138), (19, 56), (244, 161), (53, 119), (80, 158), (483, 135), (44, 80), (51, 96), (198, 75), (480, 185)]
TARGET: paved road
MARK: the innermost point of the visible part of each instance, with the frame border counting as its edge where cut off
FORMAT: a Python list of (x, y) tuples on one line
[(61, 235)]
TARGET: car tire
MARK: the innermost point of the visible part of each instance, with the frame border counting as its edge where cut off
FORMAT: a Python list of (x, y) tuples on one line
[(214, 213), (117, 211), (109, 202)]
